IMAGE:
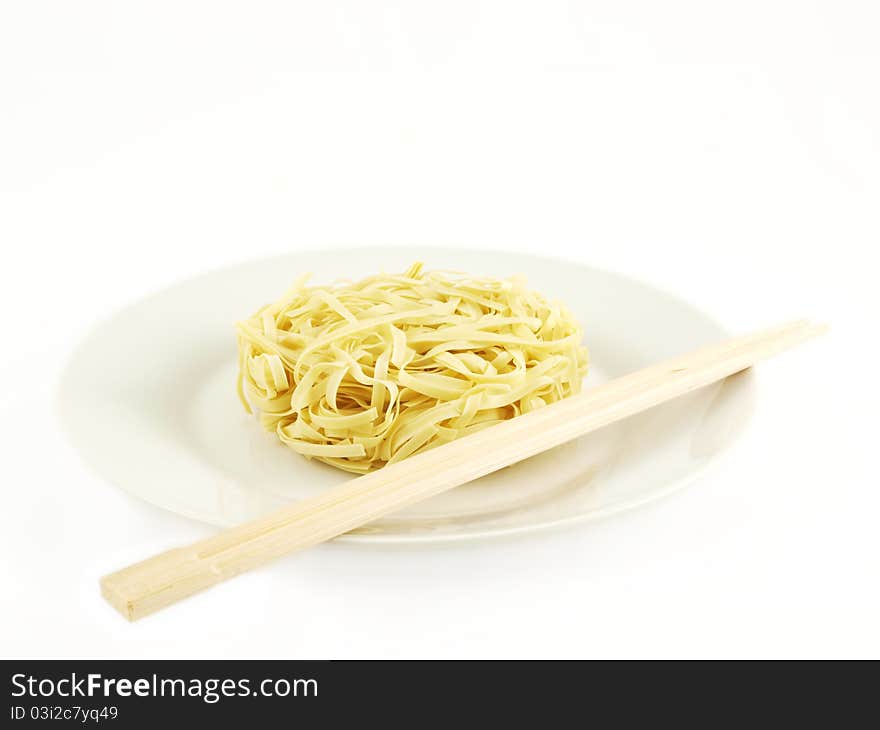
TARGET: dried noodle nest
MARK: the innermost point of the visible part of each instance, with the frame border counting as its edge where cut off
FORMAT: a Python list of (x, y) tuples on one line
[(362, 374)]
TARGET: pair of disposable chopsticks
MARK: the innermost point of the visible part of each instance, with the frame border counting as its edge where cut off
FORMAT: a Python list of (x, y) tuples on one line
[(164, 579)]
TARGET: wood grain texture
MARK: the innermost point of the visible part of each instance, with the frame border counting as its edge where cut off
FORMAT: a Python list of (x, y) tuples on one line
[(145, 587)]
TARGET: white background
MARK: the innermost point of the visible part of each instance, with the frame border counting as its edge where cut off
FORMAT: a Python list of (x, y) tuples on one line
[(729, 152)]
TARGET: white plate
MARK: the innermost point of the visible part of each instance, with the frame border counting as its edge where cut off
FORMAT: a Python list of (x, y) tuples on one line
[(149, 399)]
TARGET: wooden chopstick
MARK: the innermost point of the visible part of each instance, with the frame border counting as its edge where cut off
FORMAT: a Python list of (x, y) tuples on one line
[(164, 579)]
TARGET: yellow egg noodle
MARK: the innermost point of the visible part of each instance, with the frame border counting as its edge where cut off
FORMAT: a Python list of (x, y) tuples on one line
[(361, 374)]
